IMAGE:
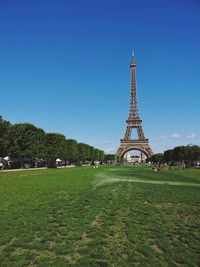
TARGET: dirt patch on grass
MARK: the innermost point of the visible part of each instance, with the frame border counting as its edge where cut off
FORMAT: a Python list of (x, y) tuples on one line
[(157, 249), (139, 254), (86, 238), (20, 251), (51, 244), (167, 205), (117, 238), (80, 244), (162, 205), (177, 264), (176, 238), (71, 258), (96, 222), (8, 244), (188, 218)]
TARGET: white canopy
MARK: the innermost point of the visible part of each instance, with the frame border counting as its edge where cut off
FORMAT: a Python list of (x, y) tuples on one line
[(7, 158)]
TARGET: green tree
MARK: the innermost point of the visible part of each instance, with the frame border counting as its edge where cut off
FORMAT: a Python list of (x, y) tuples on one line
[(91, 153), (156, 158), (183, 153), (4, 128), (56, 145), (26, 141), (99, 154), (180, 153), (72, 151), (168, 155), (83, 152), (196, 151), (110, 157), (96, 154), (102, 155)]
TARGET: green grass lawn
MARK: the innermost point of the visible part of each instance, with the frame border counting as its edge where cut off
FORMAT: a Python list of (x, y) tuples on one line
[(110, 216)]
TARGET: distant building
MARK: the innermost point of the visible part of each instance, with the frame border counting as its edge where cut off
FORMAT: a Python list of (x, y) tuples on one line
[(135, 158)]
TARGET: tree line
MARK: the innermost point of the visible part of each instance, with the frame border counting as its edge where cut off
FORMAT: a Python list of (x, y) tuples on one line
[(187, 154), (25, 140)]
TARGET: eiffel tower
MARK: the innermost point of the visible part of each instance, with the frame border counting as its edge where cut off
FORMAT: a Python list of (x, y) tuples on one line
[(134, 121)]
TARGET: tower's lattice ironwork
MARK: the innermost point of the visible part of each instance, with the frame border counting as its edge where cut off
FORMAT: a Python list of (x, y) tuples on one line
[(134, 122)]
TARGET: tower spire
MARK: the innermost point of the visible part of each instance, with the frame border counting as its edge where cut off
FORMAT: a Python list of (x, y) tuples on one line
[(133, 62), (133, 109)]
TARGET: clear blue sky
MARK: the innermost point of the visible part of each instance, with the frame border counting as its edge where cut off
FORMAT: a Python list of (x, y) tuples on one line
[(64, 66)]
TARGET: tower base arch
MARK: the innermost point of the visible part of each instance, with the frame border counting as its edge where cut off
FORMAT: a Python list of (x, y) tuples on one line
[(128, 145)]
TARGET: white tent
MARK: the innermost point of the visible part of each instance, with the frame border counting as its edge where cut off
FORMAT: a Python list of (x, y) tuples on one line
[(7, 158)]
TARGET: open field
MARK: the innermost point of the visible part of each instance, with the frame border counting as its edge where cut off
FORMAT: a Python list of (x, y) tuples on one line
[(110, 216)]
